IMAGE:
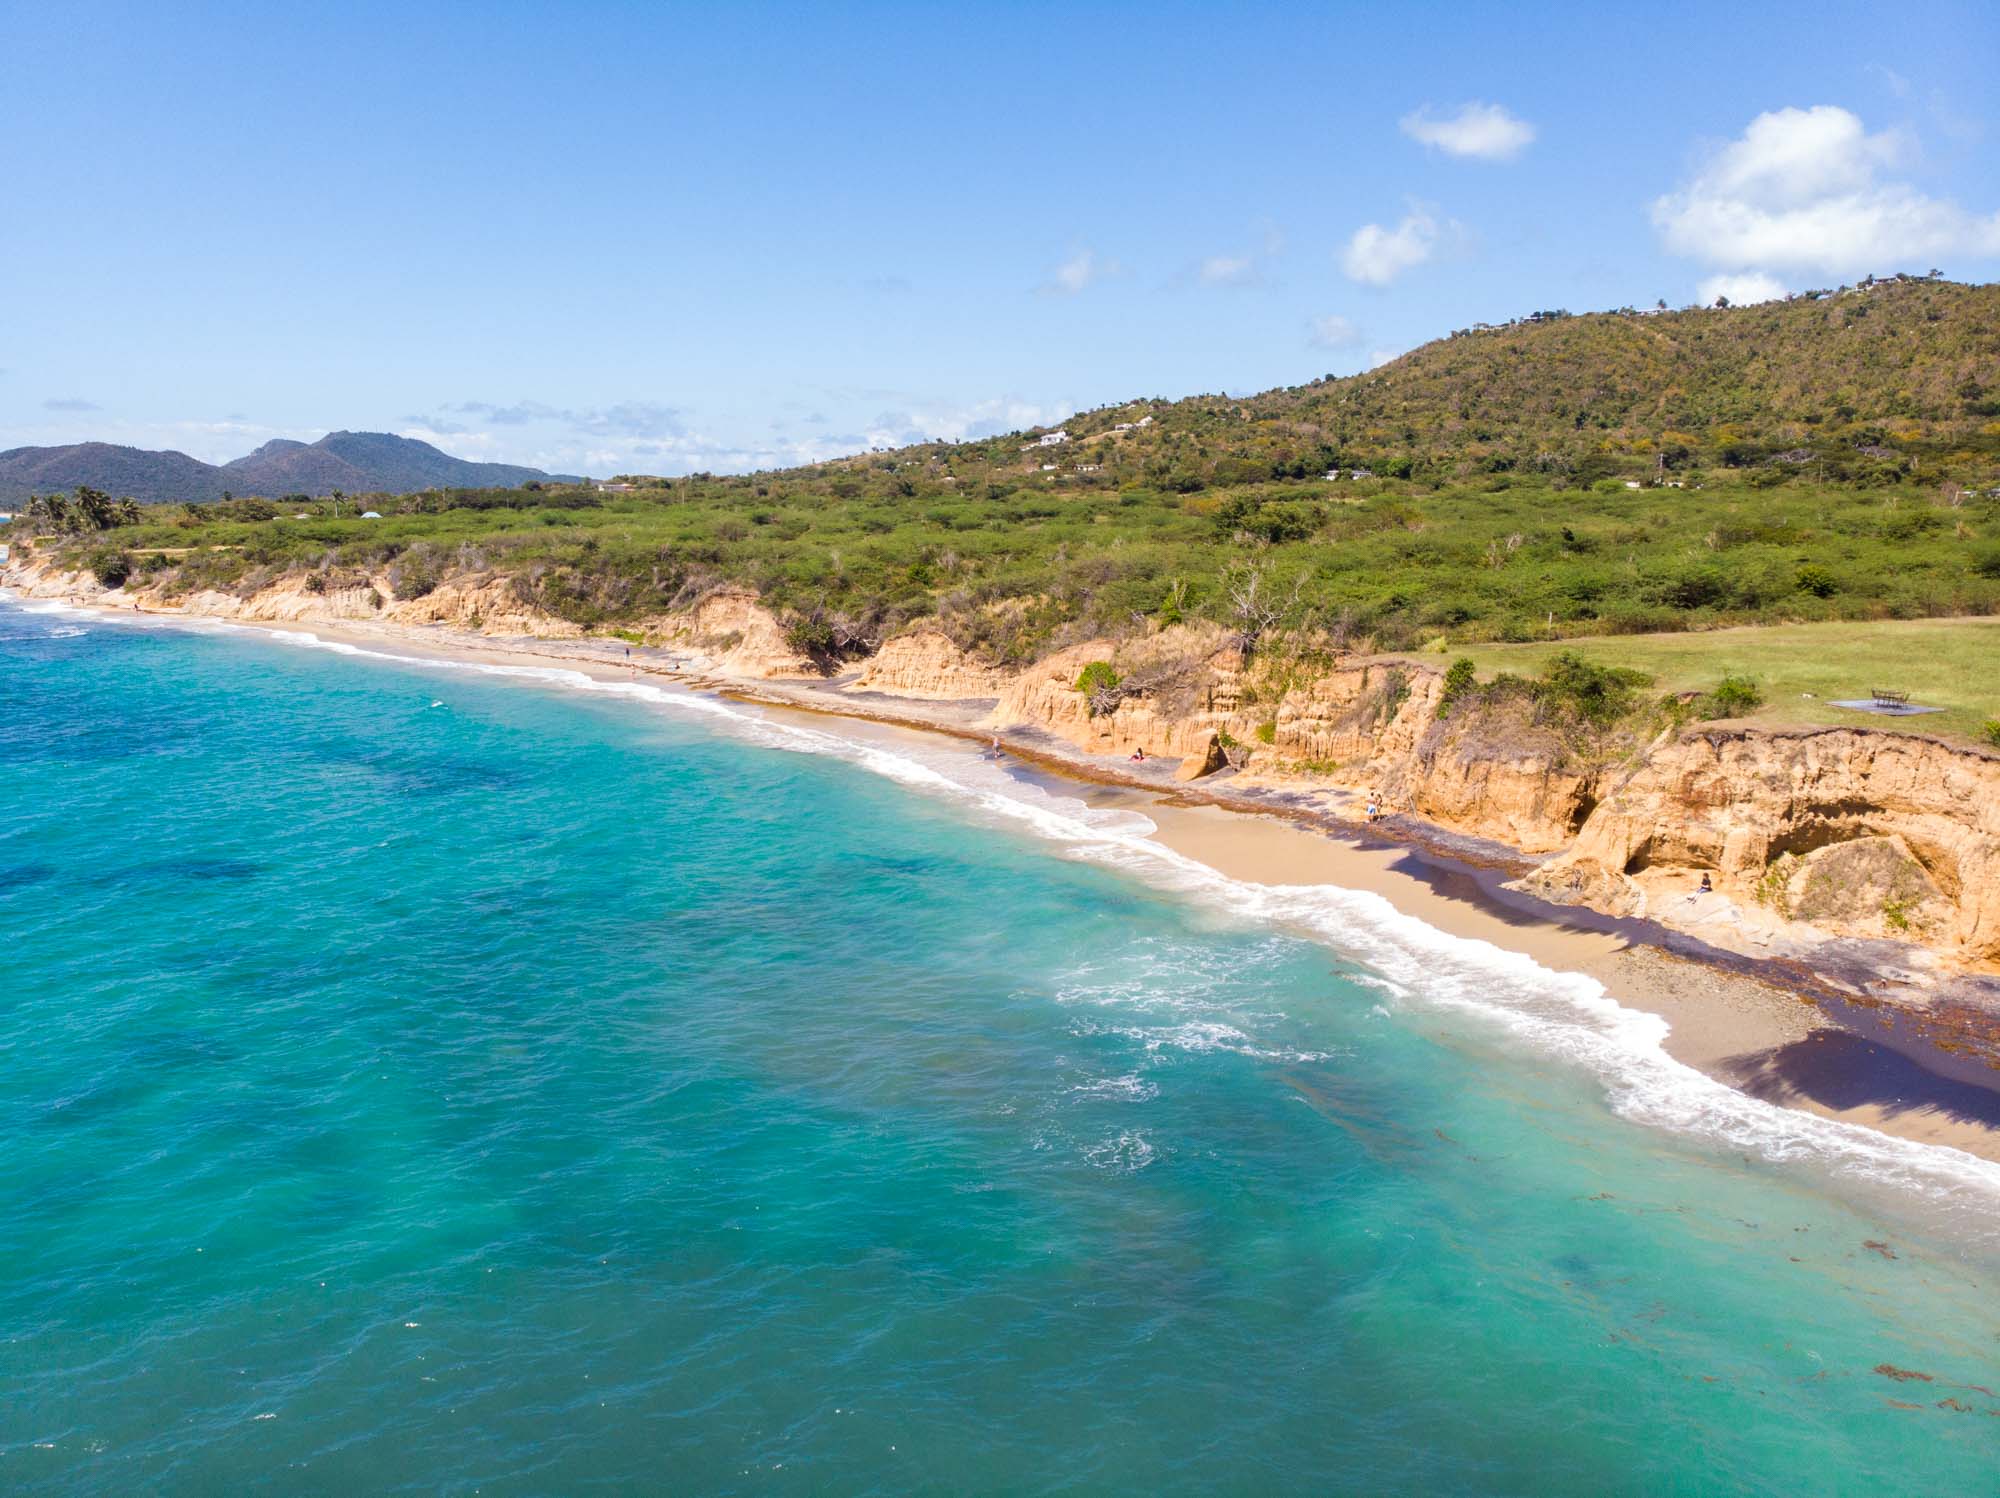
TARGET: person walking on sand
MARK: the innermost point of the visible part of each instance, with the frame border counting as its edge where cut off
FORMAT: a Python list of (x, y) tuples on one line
[(1374, 809)]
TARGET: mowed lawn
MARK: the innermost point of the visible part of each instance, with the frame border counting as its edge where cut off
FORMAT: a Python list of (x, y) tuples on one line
[(1953, 664)]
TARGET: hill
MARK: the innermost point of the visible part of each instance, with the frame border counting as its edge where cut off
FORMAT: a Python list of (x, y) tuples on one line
[(1826, 459), (351, 462), (1890, 380)]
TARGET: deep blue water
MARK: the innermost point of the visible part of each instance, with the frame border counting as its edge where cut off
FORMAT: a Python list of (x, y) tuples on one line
[(419, 1081)]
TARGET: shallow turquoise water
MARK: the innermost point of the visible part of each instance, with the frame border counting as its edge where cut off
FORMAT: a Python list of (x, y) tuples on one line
[(417, 1081)]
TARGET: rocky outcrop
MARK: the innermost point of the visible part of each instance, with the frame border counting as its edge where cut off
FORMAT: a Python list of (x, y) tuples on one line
[(926, 665), (1859, 831), (1203, 763)]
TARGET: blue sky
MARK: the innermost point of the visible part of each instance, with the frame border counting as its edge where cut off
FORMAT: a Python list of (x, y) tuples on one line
[(610, 237)]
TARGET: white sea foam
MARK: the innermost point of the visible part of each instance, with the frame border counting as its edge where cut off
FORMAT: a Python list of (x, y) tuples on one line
[(1567, 1015)]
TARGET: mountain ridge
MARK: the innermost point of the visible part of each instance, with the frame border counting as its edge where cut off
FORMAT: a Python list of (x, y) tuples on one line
[(351, 462)]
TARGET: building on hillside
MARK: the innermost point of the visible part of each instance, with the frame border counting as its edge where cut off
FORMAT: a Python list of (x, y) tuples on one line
[(1144, 421), (1054, 439), (371, 514), (615, 488), (1123, 426)]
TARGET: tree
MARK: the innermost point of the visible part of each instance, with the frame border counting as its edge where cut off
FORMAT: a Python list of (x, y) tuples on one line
[(94, 509)]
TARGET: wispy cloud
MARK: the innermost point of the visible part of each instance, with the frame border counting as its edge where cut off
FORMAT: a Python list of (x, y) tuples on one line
[(1482, 132), (1084, 269), (70, 403), (637, 438), (627, 418), (1332, 332), (1229, 270)]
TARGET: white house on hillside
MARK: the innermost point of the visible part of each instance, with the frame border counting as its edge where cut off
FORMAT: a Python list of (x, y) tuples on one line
[(1054, 439)]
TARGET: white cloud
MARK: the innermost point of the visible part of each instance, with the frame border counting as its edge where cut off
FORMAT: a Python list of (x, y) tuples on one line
[(1332, 331), (1229, 270), (1483, 131), (1741, 287), (606, 443), (1377, 255), (961, 423), (1805, 190), (1081, 270)]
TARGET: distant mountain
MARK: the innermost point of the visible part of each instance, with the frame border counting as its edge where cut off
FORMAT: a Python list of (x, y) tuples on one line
[(353, 462)]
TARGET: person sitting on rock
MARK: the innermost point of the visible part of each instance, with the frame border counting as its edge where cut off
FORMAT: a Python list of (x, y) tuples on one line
[(1139, 754)]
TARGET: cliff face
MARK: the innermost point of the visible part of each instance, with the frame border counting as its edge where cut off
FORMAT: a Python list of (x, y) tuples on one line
[(927, 666), (1843, 831), (1856, 830), (485, 605), (734, 633)]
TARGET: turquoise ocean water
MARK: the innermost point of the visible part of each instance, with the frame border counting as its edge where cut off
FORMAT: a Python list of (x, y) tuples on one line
[(415, 1079)]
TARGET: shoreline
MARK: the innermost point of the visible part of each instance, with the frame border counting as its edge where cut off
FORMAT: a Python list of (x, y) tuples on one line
[(1773, 1030)]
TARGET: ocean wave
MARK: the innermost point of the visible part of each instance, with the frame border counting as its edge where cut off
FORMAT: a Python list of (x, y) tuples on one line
[(1567, 1015)]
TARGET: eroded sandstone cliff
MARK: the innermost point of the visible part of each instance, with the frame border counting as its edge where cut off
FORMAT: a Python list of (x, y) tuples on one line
[(1845, 831)]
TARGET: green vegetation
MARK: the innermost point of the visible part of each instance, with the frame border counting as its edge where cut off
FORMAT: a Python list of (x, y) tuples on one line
[(87, 511), (1459, 679), (1735, 696), (1097, 676), (1607, 478), (1799, 669), (1010, 569)]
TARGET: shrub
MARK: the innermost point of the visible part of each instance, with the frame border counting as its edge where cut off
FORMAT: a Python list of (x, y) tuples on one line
[(812, 636), (1098, 676), (1732, 698), (1267, 733), (1816, 580), (111, 568), (1458, 680), (1597, 694), (1990, 731)]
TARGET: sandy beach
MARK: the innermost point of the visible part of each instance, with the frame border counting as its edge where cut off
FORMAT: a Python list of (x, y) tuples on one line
[(1773, 1031)]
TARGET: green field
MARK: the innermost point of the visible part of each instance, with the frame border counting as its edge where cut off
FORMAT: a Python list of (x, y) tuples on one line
[(1953, 664)]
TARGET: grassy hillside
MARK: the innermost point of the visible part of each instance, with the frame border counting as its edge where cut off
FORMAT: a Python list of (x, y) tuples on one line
[(1799, 669), (1897, 381), (1804, 461)]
